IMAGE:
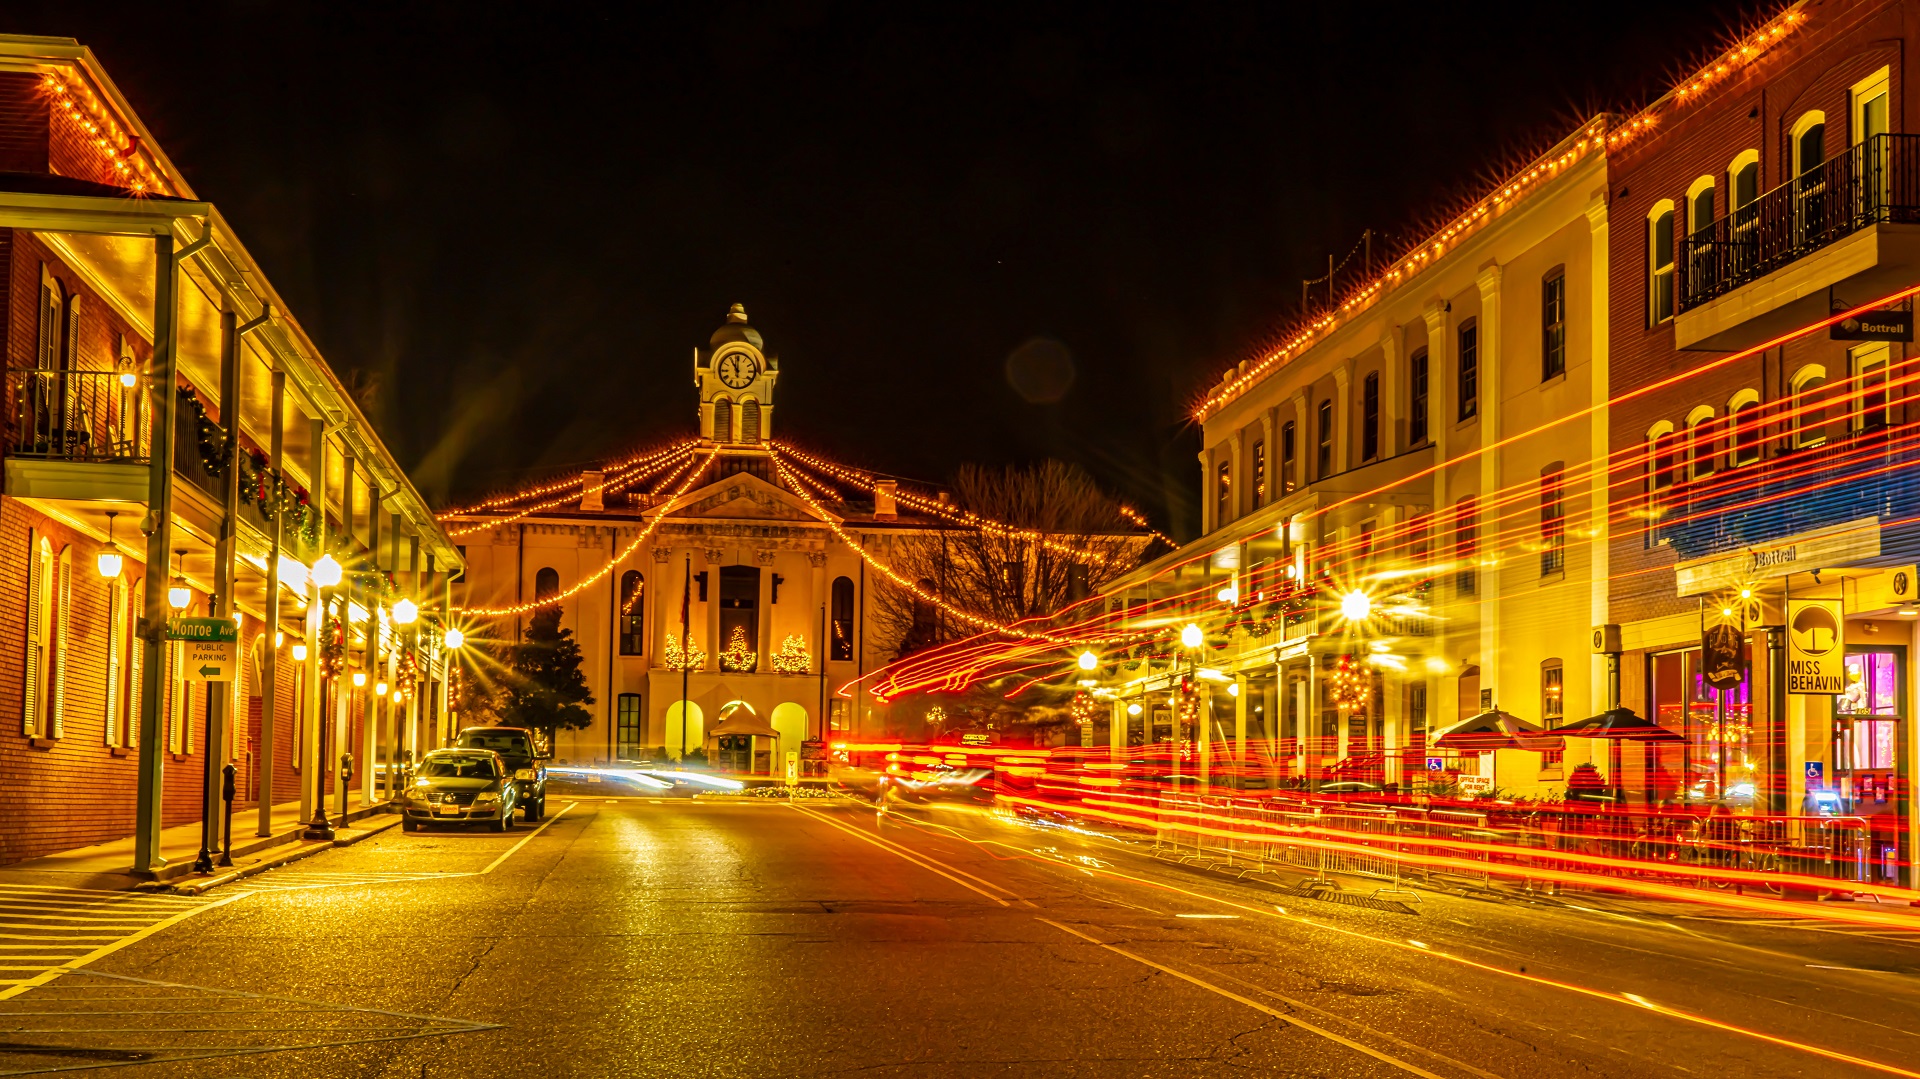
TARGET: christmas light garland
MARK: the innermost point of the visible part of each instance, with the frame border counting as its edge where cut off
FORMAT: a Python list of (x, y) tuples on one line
[(1600, 133), (72, 97), (793, 657), (501, 501), (589, 580)]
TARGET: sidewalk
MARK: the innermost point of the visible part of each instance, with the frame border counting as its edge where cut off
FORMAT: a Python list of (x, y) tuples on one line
[(110, 865)]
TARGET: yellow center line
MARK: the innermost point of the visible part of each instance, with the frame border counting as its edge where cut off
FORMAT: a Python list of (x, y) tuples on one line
[(1251, 1003), (896, 852)]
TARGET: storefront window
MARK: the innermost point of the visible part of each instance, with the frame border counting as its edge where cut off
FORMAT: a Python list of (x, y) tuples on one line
[(1716, 761), (1873, 690)]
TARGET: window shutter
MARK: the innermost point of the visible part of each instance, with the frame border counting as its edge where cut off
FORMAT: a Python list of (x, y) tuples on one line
[(186, 700), (238, 714), (62, 614), (750, 422), (135, 661), (30, 694), (116, 628), (723, 420)]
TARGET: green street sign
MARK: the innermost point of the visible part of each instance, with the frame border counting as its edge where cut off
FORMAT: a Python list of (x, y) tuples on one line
[(202, 629), (209, 650)]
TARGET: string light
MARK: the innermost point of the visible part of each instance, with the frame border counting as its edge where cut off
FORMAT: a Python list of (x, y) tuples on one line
[(737, 656), (625, 476), (692, 660), (127, 162), (637, 460), (1599, 134), (613, 563), (887, 571)]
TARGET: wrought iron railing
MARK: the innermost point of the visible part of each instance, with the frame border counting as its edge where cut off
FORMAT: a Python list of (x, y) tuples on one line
[(78, 415), (1876, 182)]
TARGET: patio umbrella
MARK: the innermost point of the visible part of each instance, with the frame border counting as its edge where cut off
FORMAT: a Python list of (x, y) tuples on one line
[(1492, 729), (1620, 724)]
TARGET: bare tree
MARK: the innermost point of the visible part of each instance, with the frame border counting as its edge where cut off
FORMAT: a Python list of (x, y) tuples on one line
[(1063, 539)]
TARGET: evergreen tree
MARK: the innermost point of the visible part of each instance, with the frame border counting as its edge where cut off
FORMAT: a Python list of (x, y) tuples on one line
[(547, 688)]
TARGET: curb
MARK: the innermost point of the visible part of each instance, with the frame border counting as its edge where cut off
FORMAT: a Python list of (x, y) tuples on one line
[(299, 850)]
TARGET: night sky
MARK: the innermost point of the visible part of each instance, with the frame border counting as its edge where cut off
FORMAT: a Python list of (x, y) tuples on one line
[(521, 220)]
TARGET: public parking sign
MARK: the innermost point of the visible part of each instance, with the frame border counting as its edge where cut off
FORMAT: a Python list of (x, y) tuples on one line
[(209, 648), (1436, 764)]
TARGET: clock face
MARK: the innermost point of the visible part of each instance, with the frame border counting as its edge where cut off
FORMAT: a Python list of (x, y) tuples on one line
[(736, 370)]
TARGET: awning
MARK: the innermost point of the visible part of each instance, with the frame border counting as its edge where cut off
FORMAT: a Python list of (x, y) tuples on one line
[(743, 722)]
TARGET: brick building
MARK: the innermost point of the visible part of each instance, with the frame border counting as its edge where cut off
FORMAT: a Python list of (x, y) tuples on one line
[(1777, 469), (175, 446)]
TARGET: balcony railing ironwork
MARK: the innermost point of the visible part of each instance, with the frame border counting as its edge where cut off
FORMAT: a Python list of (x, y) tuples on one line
[(69, 415), (1876, 182)]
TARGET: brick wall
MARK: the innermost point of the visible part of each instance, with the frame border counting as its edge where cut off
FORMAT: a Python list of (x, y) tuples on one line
[(1842, 43), (23, 123)]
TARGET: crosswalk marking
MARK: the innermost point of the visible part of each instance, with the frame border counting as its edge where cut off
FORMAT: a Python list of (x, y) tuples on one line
[(46, 930)]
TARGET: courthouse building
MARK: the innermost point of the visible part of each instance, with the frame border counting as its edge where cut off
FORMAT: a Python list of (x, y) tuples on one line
[(769, 556), (146, 351)]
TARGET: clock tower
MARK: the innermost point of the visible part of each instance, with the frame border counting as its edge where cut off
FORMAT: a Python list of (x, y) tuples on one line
[(735, 375)]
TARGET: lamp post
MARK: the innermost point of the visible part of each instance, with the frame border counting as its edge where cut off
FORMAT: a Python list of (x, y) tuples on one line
[(325, 574)]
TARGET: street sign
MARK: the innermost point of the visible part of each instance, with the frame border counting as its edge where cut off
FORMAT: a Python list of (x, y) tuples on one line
[(1815, 659), (209, 648), (1436, 764), (1816, 775), (793, 767)]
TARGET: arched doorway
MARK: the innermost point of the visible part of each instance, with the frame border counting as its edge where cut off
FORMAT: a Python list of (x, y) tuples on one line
[(790, 720), (694, 730)]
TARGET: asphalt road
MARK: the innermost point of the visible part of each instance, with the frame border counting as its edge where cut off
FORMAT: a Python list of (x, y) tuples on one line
[(750, 938)]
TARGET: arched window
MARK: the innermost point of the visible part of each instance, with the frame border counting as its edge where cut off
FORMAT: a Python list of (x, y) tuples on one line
[(1700, 205), (1660, 262), (750, 421), (633, 614), (841, 634), (1743, 417), (1743, 185), (722, 420), (1663, 457), (1703, 439), (1810, 198), (1809, 408), (1870, 365), (546, 584), (1809, 142)]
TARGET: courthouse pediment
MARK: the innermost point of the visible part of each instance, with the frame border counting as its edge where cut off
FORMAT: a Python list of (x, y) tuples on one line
[(740, 497)]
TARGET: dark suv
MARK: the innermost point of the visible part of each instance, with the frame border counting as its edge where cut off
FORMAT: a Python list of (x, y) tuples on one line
[(517, 747)]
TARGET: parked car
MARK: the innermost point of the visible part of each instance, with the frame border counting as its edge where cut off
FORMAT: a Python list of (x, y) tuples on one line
[(461, 786), (516, 746)]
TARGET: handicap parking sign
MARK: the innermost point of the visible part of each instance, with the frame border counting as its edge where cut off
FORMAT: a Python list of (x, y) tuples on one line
[(1816, 774), (1436, 764)]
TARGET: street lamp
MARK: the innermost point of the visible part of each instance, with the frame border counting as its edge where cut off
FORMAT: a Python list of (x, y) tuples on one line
[(299, 653), (1228, 595), (405, 612), (359, 678), (1088, 661), (178, 594), (455, 638), (109, 560), (326, 571), (379, 688), (1191, 637)]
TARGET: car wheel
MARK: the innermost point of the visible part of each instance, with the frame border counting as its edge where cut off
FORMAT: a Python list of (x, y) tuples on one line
[(503, 822), (409, 826)]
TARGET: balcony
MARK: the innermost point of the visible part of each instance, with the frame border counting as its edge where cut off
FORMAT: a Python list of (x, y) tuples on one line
[(1850, 228), (77, 435)]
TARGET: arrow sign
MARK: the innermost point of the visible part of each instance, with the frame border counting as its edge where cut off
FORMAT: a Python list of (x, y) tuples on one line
[(211, 674)]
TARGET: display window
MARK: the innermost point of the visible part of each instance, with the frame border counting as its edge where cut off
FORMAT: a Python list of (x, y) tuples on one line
[(1716, 762)]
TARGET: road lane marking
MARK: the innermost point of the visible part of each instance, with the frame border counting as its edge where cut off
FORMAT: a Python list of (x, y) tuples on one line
[(1627, 999), (949, 866), (511, 851), (896, 852), (1310, 1028), (165, 916)]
